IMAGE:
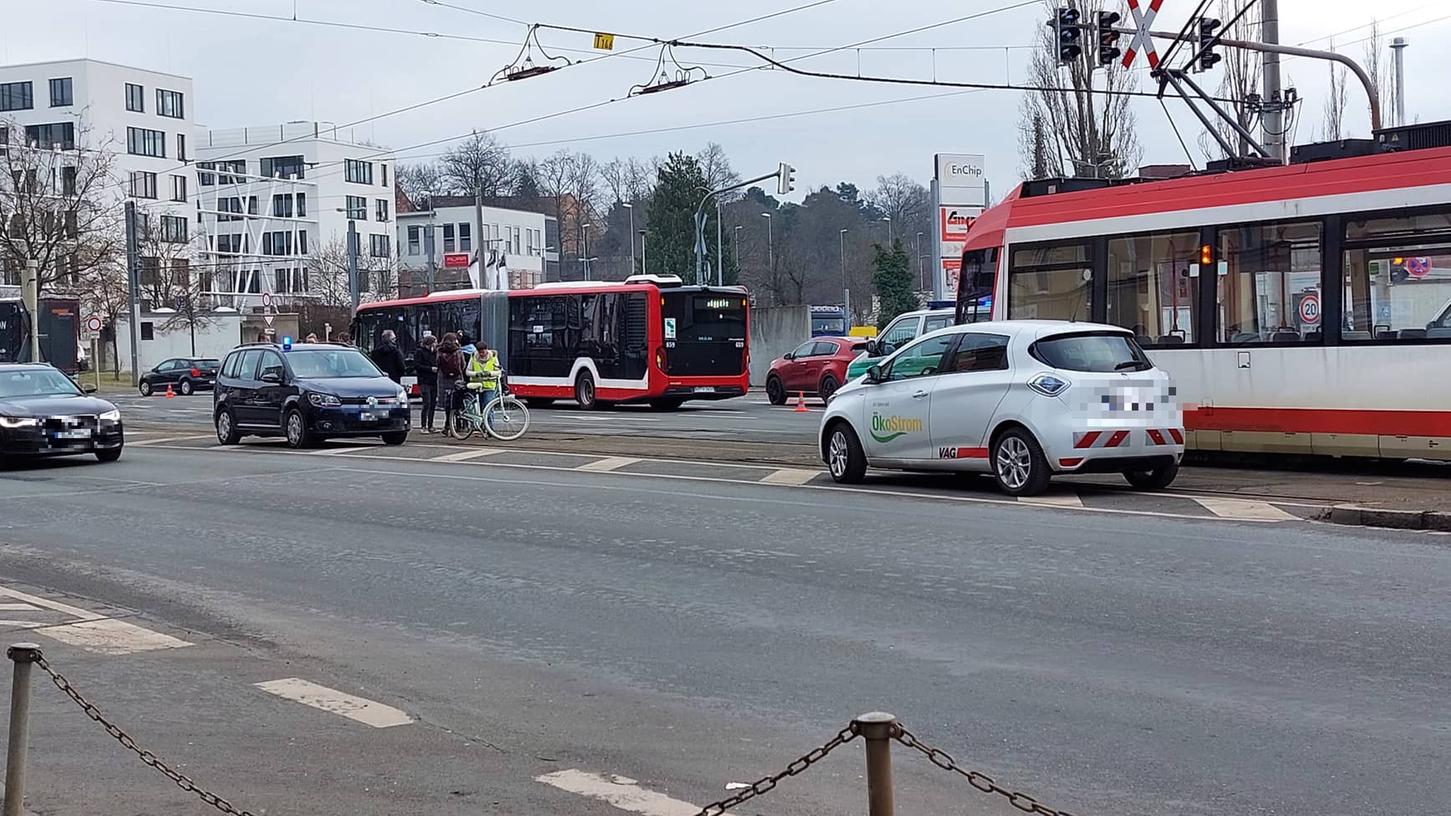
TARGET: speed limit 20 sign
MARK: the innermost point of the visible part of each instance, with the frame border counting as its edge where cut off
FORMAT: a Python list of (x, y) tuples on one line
[(1310, 309)]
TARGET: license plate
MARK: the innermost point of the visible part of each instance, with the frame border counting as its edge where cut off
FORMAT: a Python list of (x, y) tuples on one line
[(705, 389), (365, 417), (81, 434)]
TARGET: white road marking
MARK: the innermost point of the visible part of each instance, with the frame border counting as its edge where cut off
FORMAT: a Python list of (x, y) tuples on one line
[(608, 464), (167, 439), (73, 611), (18, 607), (618, 792), (464, 456), (611, 418), (1055, 500), (110, 637), (790, 476), (15, 624), (1243, 509), (333, 701)]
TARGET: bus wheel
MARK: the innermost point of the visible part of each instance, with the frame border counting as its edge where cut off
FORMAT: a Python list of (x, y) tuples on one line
[(538, 402), (584, 392)]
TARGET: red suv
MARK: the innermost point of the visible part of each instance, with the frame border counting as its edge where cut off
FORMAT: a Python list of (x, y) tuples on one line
[(817, 367)]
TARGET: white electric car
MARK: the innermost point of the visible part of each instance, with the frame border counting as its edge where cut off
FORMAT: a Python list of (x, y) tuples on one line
[(1022, 399)]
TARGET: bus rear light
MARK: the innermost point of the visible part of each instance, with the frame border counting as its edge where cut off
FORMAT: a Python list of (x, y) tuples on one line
[(660, 358)]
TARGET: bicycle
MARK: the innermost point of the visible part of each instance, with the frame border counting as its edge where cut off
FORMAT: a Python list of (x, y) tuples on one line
[(505, 418)]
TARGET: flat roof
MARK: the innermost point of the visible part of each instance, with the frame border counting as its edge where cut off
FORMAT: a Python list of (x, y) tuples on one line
[(96, 62)]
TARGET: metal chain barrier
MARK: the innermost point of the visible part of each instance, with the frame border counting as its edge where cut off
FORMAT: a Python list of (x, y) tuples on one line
[(182, 780), (767, 783), (977, 779)]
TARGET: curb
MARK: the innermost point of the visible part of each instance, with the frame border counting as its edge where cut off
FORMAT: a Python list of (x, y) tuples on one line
[(1352, 515)]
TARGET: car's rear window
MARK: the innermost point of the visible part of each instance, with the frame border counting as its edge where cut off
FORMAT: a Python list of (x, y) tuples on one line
[(1092, 351)]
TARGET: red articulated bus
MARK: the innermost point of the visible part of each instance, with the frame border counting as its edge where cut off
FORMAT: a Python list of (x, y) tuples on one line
[(647, 339)]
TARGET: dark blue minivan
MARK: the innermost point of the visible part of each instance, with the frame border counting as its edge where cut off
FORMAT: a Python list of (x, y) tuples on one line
[(305, 393)]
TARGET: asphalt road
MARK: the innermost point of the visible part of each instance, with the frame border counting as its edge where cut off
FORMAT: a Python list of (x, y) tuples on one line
[(689, 633)]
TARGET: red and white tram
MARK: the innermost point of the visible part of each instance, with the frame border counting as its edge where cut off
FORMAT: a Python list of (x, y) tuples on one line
[(1301, 309)]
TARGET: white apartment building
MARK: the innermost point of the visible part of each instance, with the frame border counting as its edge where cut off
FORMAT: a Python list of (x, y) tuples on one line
[(275, 202), (142, 118), (453, 246)]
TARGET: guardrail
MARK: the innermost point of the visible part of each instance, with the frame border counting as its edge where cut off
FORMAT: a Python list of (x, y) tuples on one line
[(877, 730)]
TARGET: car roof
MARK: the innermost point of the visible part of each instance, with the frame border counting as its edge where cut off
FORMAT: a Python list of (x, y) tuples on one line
[(293, 347), (27, 367), (1036, 329)]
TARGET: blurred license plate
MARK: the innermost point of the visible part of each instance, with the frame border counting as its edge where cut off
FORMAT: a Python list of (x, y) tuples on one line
[(365, 417), (80, 434), (705, 389)]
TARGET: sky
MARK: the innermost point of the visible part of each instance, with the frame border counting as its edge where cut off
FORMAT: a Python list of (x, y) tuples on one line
[(251, 71)]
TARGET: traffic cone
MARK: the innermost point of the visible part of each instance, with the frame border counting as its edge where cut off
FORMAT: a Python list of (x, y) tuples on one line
[(801, 403), (170, 394)]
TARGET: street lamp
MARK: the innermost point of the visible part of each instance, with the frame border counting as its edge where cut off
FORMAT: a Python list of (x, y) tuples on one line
[(770, 244), (644, 259), (584, 237), (890, 237), (631, 208), (845, 289), (736, 238), (921, 272)]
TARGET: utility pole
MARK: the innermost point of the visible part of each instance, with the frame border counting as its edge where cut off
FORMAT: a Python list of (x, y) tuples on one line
[(845, 287), (479, 231), (631, 207), (719, 255), (643, 259), (584, 259), (770, 244), (133, 289), (429, 247), (921, 270), (1398, 50), (1274, 127), (32, 302), (354, 291), (736, 241)]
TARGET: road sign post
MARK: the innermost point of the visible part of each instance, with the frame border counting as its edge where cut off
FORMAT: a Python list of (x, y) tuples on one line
[(91, 331)]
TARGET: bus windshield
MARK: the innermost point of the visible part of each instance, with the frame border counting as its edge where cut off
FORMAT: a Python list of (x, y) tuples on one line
[(828, 326), (975, 285)]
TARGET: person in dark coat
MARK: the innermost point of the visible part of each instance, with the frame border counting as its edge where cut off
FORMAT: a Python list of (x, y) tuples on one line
[(450, 377), (425, 368), (388, 357)]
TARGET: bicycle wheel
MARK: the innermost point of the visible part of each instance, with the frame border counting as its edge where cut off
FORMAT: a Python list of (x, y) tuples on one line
[(463, 426), (506, 419)]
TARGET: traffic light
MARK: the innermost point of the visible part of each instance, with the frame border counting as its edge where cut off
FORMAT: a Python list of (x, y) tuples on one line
[(785, 179), (1065, 26), (1207, 57), (1108, 52)]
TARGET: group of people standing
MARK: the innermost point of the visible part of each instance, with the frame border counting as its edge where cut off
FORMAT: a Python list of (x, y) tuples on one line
[(446, 369)]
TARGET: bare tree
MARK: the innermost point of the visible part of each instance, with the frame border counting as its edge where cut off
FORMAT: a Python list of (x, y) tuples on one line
[(421, 181), (1376, 62), (1089, 124), (1243, 70), (614, 174), (1333, 126), (479, 164), (716, 166), (327, 274), (640, 177), (59, 203)]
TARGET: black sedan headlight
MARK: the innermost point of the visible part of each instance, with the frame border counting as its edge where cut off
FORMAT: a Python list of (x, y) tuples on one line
[(12, 423), (324, 400), (113, 415)]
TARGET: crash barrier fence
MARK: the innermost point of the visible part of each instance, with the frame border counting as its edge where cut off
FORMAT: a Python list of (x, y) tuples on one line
[(877, 730)]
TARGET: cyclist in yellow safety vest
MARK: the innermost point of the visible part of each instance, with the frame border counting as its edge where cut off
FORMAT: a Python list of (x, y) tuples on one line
[(483, 374)]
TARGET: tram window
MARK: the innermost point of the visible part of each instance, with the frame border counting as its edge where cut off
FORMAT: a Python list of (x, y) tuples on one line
[(1150, 289), (1050, 294), (1047, 254), (1270, 283), (1398, 279)]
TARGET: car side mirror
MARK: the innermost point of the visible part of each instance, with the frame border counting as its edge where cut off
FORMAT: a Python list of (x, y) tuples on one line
[(874, 374), (88, 389), (272, 377), (871, 349), (790, 355)]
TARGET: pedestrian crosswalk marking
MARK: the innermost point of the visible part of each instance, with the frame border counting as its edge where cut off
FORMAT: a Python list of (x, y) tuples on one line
[(1071, 500), (166, 439), (619, 792), (111, 637), (790, 476), (464, 456), (358, 709), (608, 464), (1243, 509), (56, 606)]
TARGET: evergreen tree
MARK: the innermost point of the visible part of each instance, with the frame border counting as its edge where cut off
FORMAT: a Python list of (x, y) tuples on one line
[(893, 280), (670, 245)]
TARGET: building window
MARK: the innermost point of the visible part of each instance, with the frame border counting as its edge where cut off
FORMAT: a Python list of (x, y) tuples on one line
[(246, 282), (4, 140), (68, 181), (358, 172), (178, 188), (302, 205), (382, 210), (413, 240), (357, 208), (143, 184), (148, 331), (72, 224), (1153, 286), (61, 93), (135, 98), (302, 242), (144, 142), (173, 229), (58, 135), (282, 206), (170, 104), (380, 246), (1398, 274), (465, 237), (181, 147), (290, 281), (1050, 283), (449, 244), (276, 243), (229, 204), (383, 170), (238, 166), (1268, 272), (232, 244), (203, 178), (286, 167), (16, 96)]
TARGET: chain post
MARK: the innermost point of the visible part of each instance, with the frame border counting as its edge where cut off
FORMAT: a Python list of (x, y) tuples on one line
[(878, 728), (23, 655)]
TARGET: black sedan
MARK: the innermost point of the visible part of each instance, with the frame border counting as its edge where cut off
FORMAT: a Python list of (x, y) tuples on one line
[(44, 413), (186, 375)]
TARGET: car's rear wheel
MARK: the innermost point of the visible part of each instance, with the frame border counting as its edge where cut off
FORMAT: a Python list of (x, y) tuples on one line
[(845, 458), (1019, 465), (775, 391), (538, 402), (395, 438), (108, 455), (294, 427), (145, 388), (186, 388), (227, 433), (1156, 479), (828, 387)]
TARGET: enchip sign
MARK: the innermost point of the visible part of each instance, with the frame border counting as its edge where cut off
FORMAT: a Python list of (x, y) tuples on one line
[(960, 188)]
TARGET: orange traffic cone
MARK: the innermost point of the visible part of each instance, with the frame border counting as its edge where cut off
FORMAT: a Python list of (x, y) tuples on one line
[(801, 403), (170, 394)]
